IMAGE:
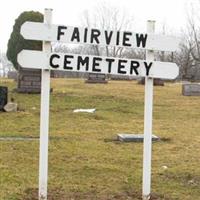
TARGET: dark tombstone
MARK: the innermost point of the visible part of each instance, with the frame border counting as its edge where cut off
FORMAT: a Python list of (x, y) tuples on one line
[(191, 89), (122, 78), (13, 75), (29, 81), (96, 78), (156, 82), (3, 97)]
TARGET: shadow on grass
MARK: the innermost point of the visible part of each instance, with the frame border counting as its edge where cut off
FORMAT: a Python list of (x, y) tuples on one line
[(165, 139), (117, 141), (114, 140), (187, 179), (59, 194), (28, 138)]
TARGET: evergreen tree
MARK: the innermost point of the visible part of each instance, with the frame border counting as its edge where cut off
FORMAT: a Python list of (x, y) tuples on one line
[(16, 42)]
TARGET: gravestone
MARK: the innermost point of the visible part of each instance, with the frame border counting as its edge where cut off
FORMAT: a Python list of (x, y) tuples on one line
[(3, 97), (191, 89), (156, 82), (29, 81), (121, 78), (96, 78), (125, 137), (13, 75), (11, 107)]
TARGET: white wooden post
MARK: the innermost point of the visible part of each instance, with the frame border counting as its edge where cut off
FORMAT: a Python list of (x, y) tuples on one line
[(44, 118), (148, 109)]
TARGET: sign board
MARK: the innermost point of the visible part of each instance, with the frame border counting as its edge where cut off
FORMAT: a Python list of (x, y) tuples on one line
[(97, 64), (77, 35), (46, 59)]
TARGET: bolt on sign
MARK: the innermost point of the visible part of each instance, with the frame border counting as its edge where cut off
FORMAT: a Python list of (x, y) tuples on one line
[(47, 61)]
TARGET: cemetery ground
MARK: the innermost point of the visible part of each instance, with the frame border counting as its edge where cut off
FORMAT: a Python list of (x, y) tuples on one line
[(86, 162)]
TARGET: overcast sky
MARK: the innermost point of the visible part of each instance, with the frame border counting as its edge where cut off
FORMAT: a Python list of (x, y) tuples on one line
[(172, 13)]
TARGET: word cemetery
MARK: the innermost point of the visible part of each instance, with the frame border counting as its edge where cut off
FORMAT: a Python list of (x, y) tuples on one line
[(97, 64), (47, 61)]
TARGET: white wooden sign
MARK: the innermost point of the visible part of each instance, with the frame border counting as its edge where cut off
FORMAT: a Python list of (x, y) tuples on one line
[(47, 60), (69, 34), (97, 64)]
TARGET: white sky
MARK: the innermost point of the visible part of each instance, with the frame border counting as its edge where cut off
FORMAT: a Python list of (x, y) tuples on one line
[(68, 12)]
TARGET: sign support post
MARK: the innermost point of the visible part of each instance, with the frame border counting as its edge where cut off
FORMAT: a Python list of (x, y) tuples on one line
[(44, 117), (148, 109)]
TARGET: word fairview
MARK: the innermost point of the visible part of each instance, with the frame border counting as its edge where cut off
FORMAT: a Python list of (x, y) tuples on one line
[(102, 37), (79, 35), (96, 64)]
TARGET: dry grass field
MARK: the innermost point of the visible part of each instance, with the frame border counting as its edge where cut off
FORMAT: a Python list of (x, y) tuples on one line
[(86, 162)]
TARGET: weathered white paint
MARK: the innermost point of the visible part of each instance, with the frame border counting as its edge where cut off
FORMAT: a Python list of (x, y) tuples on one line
[(39, 59), (40, 31), (148, 110), (44, 117)]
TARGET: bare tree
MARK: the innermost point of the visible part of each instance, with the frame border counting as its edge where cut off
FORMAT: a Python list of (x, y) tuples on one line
[(189, 54), (107, 18), (184, 59), (194, 40), (5, 65), (193, 28), (102, 17)]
